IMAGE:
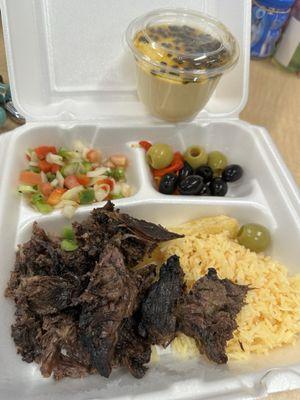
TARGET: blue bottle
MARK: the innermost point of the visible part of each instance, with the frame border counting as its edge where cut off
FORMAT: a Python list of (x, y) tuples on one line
[(268, 18)]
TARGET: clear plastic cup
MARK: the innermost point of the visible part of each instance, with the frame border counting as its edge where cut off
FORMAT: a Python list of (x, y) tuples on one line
[(180, 57)]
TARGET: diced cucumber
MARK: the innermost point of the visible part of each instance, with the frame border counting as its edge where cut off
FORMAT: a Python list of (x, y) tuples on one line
[(64, 153), (115, 196), (37, 197), (69, 169), (34, 169), (87, 196), (43, 208), (68, 245), (85, 167), (119, 173), (50, 176), (26, 189)]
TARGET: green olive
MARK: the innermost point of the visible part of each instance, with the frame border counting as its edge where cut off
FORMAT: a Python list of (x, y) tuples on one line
[(254, 236), (195, 156), (159, 155), (217, 160)]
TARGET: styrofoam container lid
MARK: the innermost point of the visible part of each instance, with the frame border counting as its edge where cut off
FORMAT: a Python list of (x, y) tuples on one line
[(67, 59)]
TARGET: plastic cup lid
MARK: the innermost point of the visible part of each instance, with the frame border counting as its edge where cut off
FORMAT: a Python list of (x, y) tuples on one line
[(182, 42)]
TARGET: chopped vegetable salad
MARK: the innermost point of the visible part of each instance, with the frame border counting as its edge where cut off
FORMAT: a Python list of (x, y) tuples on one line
[(61, 178)]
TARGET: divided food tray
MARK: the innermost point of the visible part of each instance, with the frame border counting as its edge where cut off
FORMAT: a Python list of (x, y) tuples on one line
[(267, 194)]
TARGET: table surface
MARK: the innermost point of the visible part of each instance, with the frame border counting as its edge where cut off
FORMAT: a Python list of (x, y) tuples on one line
[(274, 102)]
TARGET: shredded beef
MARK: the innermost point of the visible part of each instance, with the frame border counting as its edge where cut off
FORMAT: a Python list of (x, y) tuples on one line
[(158, 308), (208, 313), (109, 298), (90, 310)]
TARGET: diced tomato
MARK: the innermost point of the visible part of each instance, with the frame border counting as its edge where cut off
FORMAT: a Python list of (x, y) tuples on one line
[(71, 181), (30, 178), (42, 151), (119, 160), (45, 166), (55, 168), (55, 196), (106, 181), (46, 189), (145, 145), (93, 156), (83, 179)]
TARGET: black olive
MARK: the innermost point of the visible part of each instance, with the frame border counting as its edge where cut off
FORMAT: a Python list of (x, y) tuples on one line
[(205, 172), (190, 185), (232, 173), (218, 187), (185, 171), (205, 191), (168, 184)]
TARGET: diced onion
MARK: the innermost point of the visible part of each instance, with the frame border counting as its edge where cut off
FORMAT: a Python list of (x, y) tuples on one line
[(54, 183), (126, 189), (44, 177), (60, 178), (54, 159), (33, 156), (117, 188), (64, 203), (68, 211), (109, 164), (84, 153), (100, 194), (103, 186), (72, 194), (97, 172), (33, 163), (78, 146)]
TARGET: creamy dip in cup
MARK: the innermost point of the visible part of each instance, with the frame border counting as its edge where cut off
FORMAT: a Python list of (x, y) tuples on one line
[(180, 57)]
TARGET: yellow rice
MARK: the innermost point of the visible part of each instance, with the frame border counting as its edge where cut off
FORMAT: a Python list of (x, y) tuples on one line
[(271, 317)]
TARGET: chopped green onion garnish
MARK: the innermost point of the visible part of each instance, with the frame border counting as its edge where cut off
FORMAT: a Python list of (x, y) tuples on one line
[(68, 245), (68, 233)]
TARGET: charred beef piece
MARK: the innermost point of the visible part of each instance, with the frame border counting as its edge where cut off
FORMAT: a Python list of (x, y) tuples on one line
[(134, 237), (67, 367), (158, 308), (109, 298), (208, 313), (46, 294), (26, 333), (132, 351), (145, 276)]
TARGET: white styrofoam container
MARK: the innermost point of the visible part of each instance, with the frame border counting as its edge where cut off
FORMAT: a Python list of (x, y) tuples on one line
[(72, 79)]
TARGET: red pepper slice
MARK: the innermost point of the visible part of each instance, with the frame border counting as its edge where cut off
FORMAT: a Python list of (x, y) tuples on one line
[(145, 145), (175, 166)]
